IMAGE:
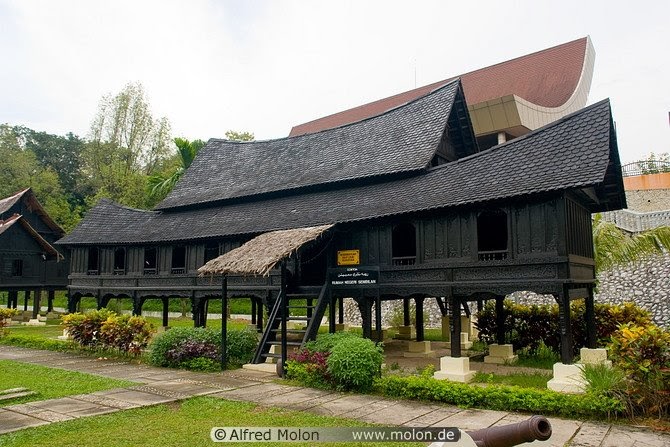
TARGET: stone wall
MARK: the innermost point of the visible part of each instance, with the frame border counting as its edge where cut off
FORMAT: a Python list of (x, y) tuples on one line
[(648, 200), (647, 283)]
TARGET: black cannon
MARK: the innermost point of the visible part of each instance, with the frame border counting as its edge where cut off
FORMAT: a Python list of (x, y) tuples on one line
[(532, 429)]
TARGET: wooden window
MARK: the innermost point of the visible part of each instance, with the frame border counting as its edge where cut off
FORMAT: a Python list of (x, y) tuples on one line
[(120, 261), (492, 235), (17, 267), (93, 267), (403, 244), (211, 251), (150, 261), (178, 260)]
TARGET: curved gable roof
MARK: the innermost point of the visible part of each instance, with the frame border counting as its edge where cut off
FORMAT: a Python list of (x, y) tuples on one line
[(547, 78), (399, 141)]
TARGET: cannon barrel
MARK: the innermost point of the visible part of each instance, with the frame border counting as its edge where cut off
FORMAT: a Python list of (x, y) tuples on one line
[(534, 428)]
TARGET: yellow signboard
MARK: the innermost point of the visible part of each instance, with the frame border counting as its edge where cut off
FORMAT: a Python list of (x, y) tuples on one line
[(348, 257)]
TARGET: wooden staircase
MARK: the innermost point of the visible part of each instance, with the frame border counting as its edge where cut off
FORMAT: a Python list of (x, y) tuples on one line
[(295, 338)]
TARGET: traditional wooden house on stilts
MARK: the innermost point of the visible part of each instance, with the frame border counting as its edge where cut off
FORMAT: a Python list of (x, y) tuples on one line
[(403, 200), (29, 262)]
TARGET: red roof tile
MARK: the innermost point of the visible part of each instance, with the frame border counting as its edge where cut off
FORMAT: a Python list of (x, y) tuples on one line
[(546, 78)]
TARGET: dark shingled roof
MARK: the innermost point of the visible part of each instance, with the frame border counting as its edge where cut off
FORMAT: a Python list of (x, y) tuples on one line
[(577, 151), (8, 223), (28, 196), (399, 141)]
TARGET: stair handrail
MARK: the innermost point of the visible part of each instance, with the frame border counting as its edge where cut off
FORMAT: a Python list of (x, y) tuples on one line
[(272, 324), (317, 314)]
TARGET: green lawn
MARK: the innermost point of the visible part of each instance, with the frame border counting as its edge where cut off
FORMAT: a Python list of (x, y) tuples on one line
[(524, 380), (50, 383), (187, 423)]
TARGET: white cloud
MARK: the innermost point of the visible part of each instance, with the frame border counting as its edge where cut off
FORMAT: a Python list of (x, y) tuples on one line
[(210, 66)]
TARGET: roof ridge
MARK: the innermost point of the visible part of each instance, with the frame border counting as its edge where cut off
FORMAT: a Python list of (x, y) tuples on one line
[(367, 118), (105, 200)]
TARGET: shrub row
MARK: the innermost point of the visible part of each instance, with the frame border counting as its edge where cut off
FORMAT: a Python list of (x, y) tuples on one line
[(528, 325), (103, 329), (200, 348), (506, 398)]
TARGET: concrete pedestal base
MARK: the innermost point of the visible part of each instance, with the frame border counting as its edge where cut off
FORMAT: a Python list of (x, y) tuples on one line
[(405, 333), (474, 332), (65, 336), (35, 322), (374, 336), (456, 369), (465, 341), (274, 349), (419, 349), (341, 327), (501, 354), (41, 318), (567, 378), (465, 329), (594, 356)]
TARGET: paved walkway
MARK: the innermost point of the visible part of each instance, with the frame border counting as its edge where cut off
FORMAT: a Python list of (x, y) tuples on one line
[(162, 385)]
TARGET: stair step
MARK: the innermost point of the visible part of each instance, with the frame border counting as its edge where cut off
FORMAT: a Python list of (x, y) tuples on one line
[(301, 307), (290, 331), (271, 355), (288, 343), (305, 296)]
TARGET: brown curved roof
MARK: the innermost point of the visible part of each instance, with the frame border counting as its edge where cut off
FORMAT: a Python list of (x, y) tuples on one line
[(546, 78)]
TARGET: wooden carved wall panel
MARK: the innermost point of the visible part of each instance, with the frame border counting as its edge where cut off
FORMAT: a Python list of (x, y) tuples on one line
[(538, 271)]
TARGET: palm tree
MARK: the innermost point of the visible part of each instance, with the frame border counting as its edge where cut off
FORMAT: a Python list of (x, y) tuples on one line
[(613, 246), (160, 185)]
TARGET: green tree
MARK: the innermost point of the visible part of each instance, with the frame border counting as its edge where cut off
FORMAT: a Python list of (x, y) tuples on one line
[(161, 184), (234, 135), (21, 169), (613, 246), (126, 146)]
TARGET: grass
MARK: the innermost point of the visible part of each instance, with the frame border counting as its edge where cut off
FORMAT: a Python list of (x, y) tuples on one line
[(524, 380), (178, 424), (50, 383)]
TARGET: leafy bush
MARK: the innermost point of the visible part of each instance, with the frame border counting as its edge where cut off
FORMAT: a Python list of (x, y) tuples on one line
[(643, 353), (241, 345), (505, 398), (180, 346), (340, 360), (126, 333), (353, 363), (529, 325), (325, 342), (103, 329), (5, 314), (309, 368)]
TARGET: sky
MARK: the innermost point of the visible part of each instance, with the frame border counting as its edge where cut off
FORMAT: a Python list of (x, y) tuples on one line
[(265, 66)]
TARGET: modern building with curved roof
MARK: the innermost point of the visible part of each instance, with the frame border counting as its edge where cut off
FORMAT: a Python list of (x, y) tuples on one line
[(505, 100)]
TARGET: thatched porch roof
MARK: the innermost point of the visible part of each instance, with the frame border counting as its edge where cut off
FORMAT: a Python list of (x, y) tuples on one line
[(262, 253)]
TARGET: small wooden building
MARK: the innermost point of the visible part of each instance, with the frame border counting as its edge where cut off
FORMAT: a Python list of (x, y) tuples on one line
[(412, 211), (28, 260)]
